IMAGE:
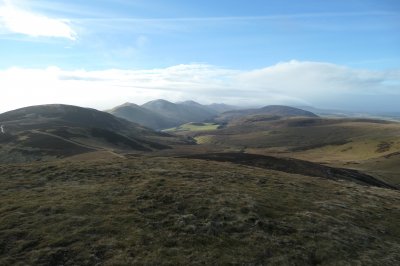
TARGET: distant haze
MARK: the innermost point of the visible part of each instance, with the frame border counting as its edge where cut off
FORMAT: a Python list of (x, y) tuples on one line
[(295, 83)]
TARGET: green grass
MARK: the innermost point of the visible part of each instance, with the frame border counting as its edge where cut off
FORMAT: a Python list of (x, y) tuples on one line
[(203, 139), (183, 211), (193, 127)]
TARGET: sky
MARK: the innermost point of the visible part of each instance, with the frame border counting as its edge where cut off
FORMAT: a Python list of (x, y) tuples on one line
[(342, 54)]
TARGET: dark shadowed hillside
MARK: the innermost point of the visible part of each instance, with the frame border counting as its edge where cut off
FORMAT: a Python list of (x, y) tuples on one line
[(143, 116), (294, 166), (181, 112), (50, 131)]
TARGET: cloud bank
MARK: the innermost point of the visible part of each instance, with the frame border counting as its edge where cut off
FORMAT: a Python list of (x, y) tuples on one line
[(25, 22), (292, 83)]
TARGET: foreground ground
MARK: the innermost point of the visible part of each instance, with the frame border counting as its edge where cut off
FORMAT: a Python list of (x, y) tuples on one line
[(153, 210)]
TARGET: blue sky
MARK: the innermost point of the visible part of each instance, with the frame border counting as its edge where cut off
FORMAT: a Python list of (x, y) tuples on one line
[(190, 44)]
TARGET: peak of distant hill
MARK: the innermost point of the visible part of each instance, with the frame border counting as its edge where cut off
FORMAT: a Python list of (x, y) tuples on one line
[(189, 103), (54, 114), (183, 112), (270, 110), (285, 111), (162, 114), (159, 104), (215, 108), (142, 116), (56, 130), (197, 107)]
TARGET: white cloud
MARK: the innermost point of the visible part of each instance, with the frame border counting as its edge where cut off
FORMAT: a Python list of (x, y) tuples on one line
[(28, 23), (316, 80), (293, 83)]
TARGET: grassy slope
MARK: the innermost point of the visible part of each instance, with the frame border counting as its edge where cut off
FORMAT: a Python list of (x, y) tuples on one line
[(365, 136), (341, 142), (193, 127), (386, 167), (182, 211), (59, 131)]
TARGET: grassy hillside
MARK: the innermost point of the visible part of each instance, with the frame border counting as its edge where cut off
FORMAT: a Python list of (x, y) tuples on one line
[(57, 131), (185, 211), (293, 166), (112, 193), (356, 143), (386, 167), (270, 110), (360, 139)]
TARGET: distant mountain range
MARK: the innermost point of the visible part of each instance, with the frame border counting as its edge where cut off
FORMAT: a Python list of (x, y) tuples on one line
[(58, 131), (182, 112), (162, 114)]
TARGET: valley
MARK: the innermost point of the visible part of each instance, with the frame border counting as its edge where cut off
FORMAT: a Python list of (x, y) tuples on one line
[(248, 133), (369, 145), (275, 185)]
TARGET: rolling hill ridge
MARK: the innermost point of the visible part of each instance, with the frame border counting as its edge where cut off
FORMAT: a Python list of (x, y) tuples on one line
[(54, 131), (270, 110), (162, 114)]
